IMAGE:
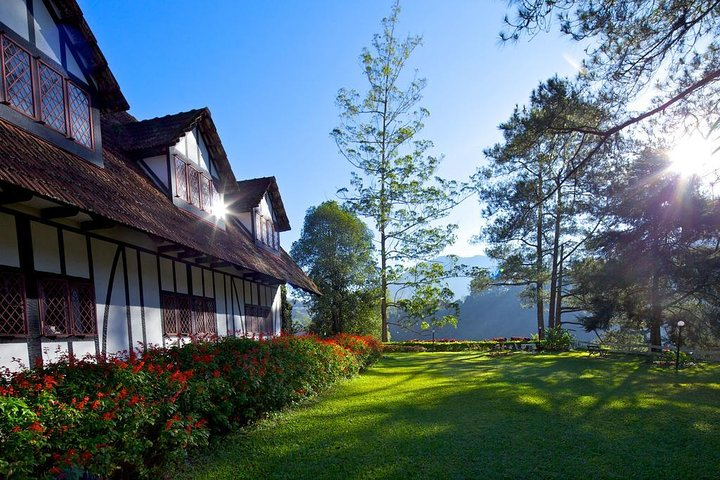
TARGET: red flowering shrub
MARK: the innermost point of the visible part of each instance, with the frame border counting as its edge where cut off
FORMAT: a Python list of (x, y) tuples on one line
[(131, 417)]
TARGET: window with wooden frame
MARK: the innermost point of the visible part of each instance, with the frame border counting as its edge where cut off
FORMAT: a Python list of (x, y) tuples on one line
[(67, 307), (34, 88), (186, 315), (258, 319), (265, 231), (13, 310), (194, 186)]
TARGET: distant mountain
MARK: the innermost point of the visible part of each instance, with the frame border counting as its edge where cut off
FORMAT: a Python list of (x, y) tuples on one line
[(496, 312)]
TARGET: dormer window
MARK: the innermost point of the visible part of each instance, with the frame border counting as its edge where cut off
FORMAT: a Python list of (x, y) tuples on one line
[(265, 231), (34, 88), (195, 186)]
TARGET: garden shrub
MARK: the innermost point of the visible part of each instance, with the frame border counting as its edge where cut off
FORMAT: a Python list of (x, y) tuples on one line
[(558, 340), (132, 416)]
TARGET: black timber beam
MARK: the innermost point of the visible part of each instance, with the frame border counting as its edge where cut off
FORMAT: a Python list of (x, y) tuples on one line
[(171, 248), (220, 264), (14, 196), (97, 224), (188, 254), (204, 259), (59, 212)]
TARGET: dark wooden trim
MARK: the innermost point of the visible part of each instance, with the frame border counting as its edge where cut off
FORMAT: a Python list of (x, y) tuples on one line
[(3, 94), (159, 285), (204, 259), (232, 307), (91, 273), (189, 254), (220, 264), (142, 299), (108, 298), (8, 196), (244, 317), (128, 314), (59, 212), (31, 21), (171, 248), (202, 281), (167, 191), (27, 265), (188, 273), (97, 224), (61, 251)]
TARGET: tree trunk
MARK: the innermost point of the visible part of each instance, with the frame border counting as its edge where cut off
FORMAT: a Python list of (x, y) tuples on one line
[(383, 285), (552, 313), (558, 292), (655, 320), (539, 263)]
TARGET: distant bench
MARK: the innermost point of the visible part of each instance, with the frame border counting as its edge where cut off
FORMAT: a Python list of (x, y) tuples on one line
[(594, 348)]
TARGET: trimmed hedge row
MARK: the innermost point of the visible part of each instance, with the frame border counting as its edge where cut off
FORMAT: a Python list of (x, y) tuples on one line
[(455, 345), (132, 417)]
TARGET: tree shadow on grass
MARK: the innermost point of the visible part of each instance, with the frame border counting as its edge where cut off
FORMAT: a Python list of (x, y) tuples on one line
[(469, 416)]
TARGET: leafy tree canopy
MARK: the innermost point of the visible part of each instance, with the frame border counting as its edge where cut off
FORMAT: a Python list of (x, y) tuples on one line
[(336, 250)]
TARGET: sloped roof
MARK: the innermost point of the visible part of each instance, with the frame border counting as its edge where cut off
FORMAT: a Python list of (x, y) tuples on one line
[(120, 191), (82, 38), (250, 193), (150, 137)]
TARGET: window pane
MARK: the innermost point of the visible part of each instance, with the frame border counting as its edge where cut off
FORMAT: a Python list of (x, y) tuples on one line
[(18, 77), (181, 186), (215, 196), (205, 193), (210, 321), (82, 306), (79, 104), (168, 304), (12, 304), (184, 315), (198, 313), (194, 181), (54, 311), (52, 98)]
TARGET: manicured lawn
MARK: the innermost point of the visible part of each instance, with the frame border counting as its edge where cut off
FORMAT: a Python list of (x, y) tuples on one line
[(468, 415)]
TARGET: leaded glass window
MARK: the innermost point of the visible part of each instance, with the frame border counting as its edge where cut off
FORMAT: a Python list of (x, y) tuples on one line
[(18, 77), (52, 98), (79, 115), (13, 316)]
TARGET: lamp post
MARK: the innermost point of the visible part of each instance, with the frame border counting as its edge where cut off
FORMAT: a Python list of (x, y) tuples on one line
[(680, 324)]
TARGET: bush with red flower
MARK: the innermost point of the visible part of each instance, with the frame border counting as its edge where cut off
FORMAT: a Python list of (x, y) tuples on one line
[(131, 416)]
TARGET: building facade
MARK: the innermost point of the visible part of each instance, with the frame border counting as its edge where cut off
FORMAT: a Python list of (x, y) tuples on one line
[(118, 233)]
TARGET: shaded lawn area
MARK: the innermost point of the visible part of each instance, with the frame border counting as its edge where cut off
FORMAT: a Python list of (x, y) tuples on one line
[(469, 415)]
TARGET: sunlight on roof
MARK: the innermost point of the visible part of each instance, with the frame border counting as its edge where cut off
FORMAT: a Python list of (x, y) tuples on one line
[(693, 155)]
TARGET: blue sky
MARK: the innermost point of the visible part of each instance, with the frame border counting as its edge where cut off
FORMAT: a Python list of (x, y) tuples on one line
[(270, 71)]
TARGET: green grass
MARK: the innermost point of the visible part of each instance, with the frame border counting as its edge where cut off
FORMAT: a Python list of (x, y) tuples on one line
[(470, 415)]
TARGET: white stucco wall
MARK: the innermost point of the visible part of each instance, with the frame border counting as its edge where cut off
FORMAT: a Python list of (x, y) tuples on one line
[(13, 13), (46, 252), (47, 35), (158, 166)]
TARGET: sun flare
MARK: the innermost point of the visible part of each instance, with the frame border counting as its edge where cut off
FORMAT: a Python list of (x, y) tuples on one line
[(693, 155)]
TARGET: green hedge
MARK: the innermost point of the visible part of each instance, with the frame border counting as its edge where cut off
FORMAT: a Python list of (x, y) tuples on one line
[(132, 417), (455, 345)]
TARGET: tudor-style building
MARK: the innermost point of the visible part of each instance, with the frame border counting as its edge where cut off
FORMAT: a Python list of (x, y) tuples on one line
[(117, 233)]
